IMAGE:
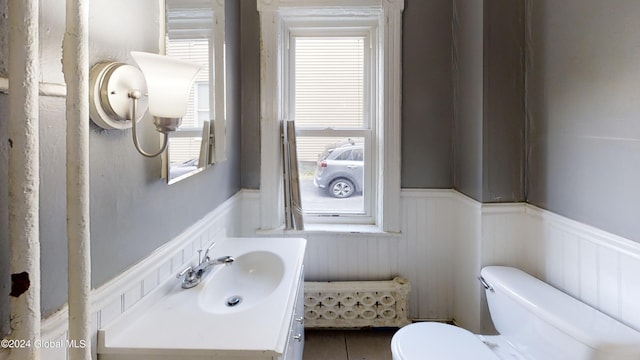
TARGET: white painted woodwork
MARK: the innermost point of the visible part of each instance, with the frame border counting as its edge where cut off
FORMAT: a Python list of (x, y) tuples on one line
[(447, 238), (24, 167), (75, 61)]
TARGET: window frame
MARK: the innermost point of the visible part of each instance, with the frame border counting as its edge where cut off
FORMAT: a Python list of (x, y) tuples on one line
[(275, 17)]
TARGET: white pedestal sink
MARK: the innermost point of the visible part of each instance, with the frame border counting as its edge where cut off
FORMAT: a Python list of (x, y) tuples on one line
[(239, 311)]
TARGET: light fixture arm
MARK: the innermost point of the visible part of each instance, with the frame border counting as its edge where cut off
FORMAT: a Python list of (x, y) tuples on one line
[(134, 95)]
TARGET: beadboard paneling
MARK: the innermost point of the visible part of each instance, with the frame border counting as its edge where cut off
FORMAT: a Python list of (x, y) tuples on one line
[(421, 253), (599, 268), (427, 245), (447, 238), (465, 261)]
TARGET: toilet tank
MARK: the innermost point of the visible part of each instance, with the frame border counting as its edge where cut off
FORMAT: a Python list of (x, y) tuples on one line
[(545, 323)]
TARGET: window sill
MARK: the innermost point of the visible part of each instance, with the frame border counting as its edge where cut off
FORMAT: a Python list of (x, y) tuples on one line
[(329, 229)]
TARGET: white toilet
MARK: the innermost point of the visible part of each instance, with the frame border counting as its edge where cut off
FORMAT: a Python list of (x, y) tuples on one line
[(535, 321)]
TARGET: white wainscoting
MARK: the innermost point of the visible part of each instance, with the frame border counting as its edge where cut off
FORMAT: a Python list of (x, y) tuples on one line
[(466, 263), (597, 267), (120, 294), (446, 239), (422, 253)]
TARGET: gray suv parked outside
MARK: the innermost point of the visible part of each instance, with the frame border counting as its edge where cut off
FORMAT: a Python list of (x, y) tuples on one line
[(339, 169)]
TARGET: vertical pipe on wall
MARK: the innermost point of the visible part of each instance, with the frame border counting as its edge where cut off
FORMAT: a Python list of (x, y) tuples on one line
[(24, 182), (75, 62)]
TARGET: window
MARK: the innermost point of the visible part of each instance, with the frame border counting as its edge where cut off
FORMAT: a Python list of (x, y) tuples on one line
[(330, 102), (333, 67)]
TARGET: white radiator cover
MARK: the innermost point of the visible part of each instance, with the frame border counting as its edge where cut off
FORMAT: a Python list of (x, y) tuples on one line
[(356, 304)]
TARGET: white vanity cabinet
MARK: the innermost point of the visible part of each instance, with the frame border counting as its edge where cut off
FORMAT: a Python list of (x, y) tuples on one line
[(295, 342), (197, 323)]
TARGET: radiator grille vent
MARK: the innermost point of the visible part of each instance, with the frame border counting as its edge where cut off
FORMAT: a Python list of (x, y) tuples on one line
[(355, 304)]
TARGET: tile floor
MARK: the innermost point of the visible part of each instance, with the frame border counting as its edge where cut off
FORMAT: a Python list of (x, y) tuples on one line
[(372, 344)]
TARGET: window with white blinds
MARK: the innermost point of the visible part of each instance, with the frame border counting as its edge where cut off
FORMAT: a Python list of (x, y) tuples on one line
[(329, 102)]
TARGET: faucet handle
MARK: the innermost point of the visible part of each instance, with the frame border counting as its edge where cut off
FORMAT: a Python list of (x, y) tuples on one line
[(206, 253), (183, 272)]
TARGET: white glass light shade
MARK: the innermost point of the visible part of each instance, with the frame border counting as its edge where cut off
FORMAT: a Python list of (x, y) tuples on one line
[(169, 83)]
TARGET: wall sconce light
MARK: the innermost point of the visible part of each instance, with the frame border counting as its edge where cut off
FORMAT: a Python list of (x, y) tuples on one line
[(117, 94)]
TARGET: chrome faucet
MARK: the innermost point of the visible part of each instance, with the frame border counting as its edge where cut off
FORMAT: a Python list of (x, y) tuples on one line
[(193, 276)]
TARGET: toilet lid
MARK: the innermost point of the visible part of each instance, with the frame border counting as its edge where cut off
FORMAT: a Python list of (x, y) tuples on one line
[(431, 340)]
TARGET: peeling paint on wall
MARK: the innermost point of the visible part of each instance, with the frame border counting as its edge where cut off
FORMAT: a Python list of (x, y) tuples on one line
[(4, 219), (20, 283)]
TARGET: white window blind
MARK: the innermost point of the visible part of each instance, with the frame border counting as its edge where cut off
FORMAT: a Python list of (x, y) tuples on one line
[(189, 19), (329, 89), (329, 81)]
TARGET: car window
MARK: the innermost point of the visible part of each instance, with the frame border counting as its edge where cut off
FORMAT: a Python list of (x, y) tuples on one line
[(344, 156), (325, 155), (357, 155)]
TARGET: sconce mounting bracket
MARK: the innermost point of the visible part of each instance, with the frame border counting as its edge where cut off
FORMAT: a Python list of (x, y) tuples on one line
[(111, 86)]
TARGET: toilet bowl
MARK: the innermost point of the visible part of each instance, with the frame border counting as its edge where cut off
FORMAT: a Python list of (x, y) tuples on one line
[(535, 321), (432, 340)]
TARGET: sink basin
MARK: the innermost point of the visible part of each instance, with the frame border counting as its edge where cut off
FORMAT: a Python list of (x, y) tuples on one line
[(249, 280), (176, 323)]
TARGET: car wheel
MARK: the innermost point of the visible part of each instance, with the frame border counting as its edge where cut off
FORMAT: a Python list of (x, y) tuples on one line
[(341, 188)]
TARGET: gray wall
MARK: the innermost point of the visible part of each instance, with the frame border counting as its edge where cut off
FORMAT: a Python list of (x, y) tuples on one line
[(583, 103), (489, 119), (503, 102), (250, 93), (427, 106), (468, 92), (133, 211), (427, 95)]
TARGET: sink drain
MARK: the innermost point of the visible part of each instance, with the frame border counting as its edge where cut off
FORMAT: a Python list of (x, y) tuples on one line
[(234, 300)]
